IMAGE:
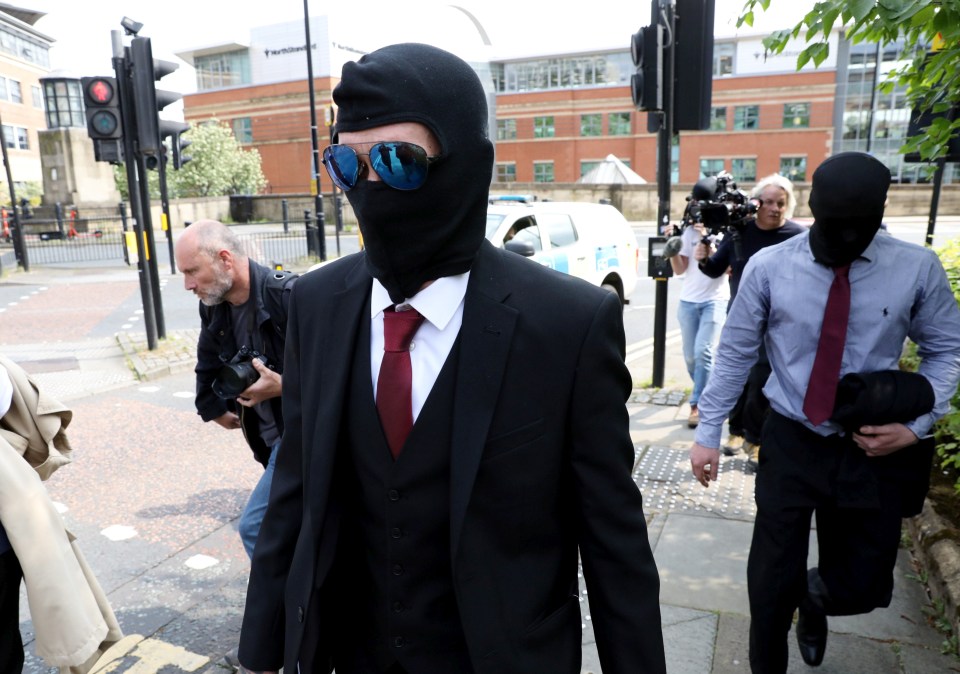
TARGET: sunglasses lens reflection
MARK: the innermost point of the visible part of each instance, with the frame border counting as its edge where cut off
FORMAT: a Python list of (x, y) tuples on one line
[(402, 166)]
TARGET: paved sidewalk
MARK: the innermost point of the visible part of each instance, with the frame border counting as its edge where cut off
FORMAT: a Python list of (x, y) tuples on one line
[(700, 537)]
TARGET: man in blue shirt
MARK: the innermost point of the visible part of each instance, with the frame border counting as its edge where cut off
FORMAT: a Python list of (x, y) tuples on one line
[(853, 481)]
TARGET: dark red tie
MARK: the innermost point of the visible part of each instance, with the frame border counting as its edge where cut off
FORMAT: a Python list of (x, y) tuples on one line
[(396, 376), (822, 388)]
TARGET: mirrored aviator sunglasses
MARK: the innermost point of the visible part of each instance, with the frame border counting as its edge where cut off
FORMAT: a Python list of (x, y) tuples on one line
[(401, 165)]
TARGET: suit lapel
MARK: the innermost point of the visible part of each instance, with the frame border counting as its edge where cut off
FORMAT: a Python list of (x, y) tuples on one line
[(485, 338), (338, 348)]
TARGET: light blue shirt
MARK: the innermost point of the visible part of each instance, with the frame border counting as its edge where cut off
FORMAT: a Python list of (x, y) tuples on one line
[(897, 290)]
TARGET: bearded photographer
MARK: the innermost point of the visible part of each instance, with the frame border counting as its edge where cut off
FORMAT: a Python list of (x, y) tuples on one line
[(772, 225), (243, 316)]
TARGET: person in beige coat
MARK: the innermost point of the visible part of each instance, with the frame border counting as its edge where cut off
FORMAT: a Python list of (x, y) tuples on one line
[(72, 618)]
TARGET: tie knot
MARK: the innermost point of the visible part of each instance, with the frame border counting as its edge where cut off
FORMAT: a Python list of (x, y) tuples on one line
[(399, 327), (841, 271)]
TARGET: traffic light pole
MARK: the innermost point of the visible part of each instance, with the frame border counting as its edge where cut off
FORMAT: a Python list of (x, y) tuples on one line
[(151, 245), (133, 187), (318, 197), (165, 209), (663, 10)]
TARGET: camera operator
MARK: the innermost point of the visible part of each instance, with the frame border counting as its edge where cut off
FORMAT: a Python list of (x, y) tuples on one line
[(243, 316), (703, 305), (770, 226)]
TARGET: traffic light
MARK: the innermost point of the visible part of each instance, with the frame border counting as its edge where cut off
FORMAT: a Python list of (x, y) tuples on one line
[(693, 65), (175, 131), (646, 49), (102, 102), (148, 100)]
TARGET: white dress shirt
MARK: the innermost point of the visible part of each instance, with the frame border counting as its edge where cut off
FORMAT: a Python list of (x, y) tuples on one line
[(441, 304)]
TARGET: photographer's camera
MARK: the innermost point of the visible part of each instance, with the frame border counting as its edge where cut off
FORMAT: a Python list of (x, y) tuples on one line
[(236, 375)]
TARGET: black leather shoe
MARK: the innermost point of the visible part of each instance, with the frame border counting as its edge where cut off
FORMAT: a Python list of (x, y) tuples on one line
[(812, 636)]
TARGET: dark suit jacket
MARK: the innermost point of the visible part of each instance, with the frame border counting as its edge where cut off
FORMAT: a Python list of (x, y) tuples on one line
[(541, 466)]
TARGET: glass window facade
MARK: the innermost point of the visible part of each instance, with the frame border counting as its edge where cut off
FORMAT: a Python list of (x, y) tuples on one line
[(243, 130), (744, 169), (64, 104), (794, 168), (594, 70), (24, 46), (507, 172), (746, 117), (710, 167), (506, 129), (796, 115), (724, 54), (543, 127), (591, 125), (718, 119), (216, 71), (618, 124), (543, 172)]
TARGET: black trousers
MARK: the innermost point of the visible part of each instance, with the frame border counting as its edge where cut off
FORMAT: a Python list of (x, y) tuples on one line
[(750, 411), (858, 520), (11, 644)]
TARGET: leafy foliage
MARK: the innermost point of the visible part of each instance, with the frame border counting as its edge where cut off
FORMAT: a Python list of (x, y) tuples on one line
[(219, 167), (947, 430), (932, 80)]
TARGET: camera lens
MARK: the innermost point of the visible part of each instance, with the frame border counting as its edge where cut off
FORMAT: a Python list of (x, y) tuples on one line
[(233, 379)]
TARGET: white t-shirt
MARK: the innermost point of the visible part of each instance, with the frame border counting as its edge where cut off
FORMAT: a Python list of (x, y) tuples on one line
[(698, 287)]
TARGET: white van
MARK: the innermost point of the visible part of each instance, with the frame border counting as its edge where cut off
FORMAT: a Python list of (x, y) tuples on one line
[(590, 241)]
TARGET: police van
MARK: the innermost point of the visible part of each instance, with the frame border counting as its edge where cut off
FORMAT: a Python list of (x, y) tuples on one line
[(590, 241)]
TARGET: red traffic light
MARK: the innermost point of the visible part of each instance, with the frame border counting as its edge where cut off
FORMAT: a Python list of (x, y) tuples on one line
[(100, 91)]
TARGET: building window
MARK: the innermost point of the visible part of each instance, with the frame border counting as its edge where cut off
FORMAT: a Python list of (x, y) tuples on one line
[(216, 71), (600, 70), (796, 115), (507, 173), (243, 130), (37, 94), (618, 124), (543, 172), (723, 54), (710, 167), (3, 89), (16, 96), (744, 169), (591, 125), (64, 104), (718, 119), (543, 128), (506, 129), (587, 166), (16, 137), (746, 117), (24, 46), (793, 168)]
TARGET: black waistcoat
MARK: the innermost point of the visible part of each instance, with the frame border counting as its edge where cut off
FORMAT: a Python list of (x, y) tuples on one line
[(397, 523)]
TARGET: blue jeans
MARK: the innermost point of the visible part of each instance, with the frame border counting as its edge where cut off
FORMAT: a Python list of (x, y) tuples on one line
[(700, 325), (257, 505)]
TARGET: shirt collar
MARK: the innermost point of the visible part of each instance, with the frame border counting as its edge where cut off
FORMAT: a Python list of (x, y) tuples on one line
[(437, 302)]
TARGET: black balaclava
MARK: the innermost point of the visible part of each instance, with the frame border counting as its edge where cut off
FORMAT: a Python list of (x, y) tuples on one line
[(847, 198), (416, 236)]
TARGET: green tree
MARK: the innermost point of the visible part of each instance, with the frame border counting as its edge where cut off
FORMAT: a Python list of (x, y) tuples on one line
[(219, 167), (932, 79)]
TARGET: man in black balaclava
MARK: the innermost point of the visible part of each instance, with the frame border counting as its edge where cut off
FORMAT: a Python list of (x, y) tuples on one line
[(839, 300), (455, 424)]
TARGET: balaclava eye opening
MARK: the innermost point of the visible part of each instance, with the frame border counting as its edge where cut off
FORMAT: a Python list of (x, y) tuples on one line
[(412, 237), (847, 199)]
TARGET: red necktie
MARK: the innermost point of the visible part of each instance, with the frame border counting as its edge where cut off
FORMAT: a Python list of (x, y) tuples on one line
[(396, 376), (822, 389)]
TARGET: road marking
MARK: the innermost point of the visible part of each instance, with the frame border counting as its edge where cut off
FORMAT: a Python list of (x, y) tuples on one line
[(645, 346), (201, 562), (119, 532)]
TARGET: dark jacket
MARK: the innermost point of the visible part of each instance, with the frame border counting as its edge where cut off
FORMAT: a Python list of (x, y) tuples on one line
[(217, 345), (540, 469)]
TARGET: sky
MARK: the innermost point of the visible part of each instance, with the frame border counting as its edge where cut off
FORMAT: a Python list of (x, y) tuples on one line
[(82, 28)]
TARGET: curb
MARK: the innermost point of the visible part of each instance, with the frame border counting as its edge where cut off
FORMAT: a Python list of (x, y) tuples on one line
[(176, 353), (937, 544)]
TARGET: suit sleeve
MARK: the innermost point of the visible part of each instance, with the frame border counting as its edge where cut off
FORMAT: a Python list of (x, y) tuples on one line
[(618, 563), (262, 633)]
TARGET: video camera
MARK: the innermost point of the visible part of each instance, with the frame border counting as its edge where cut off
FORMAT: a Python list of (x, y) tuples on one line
[(718, 205)]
